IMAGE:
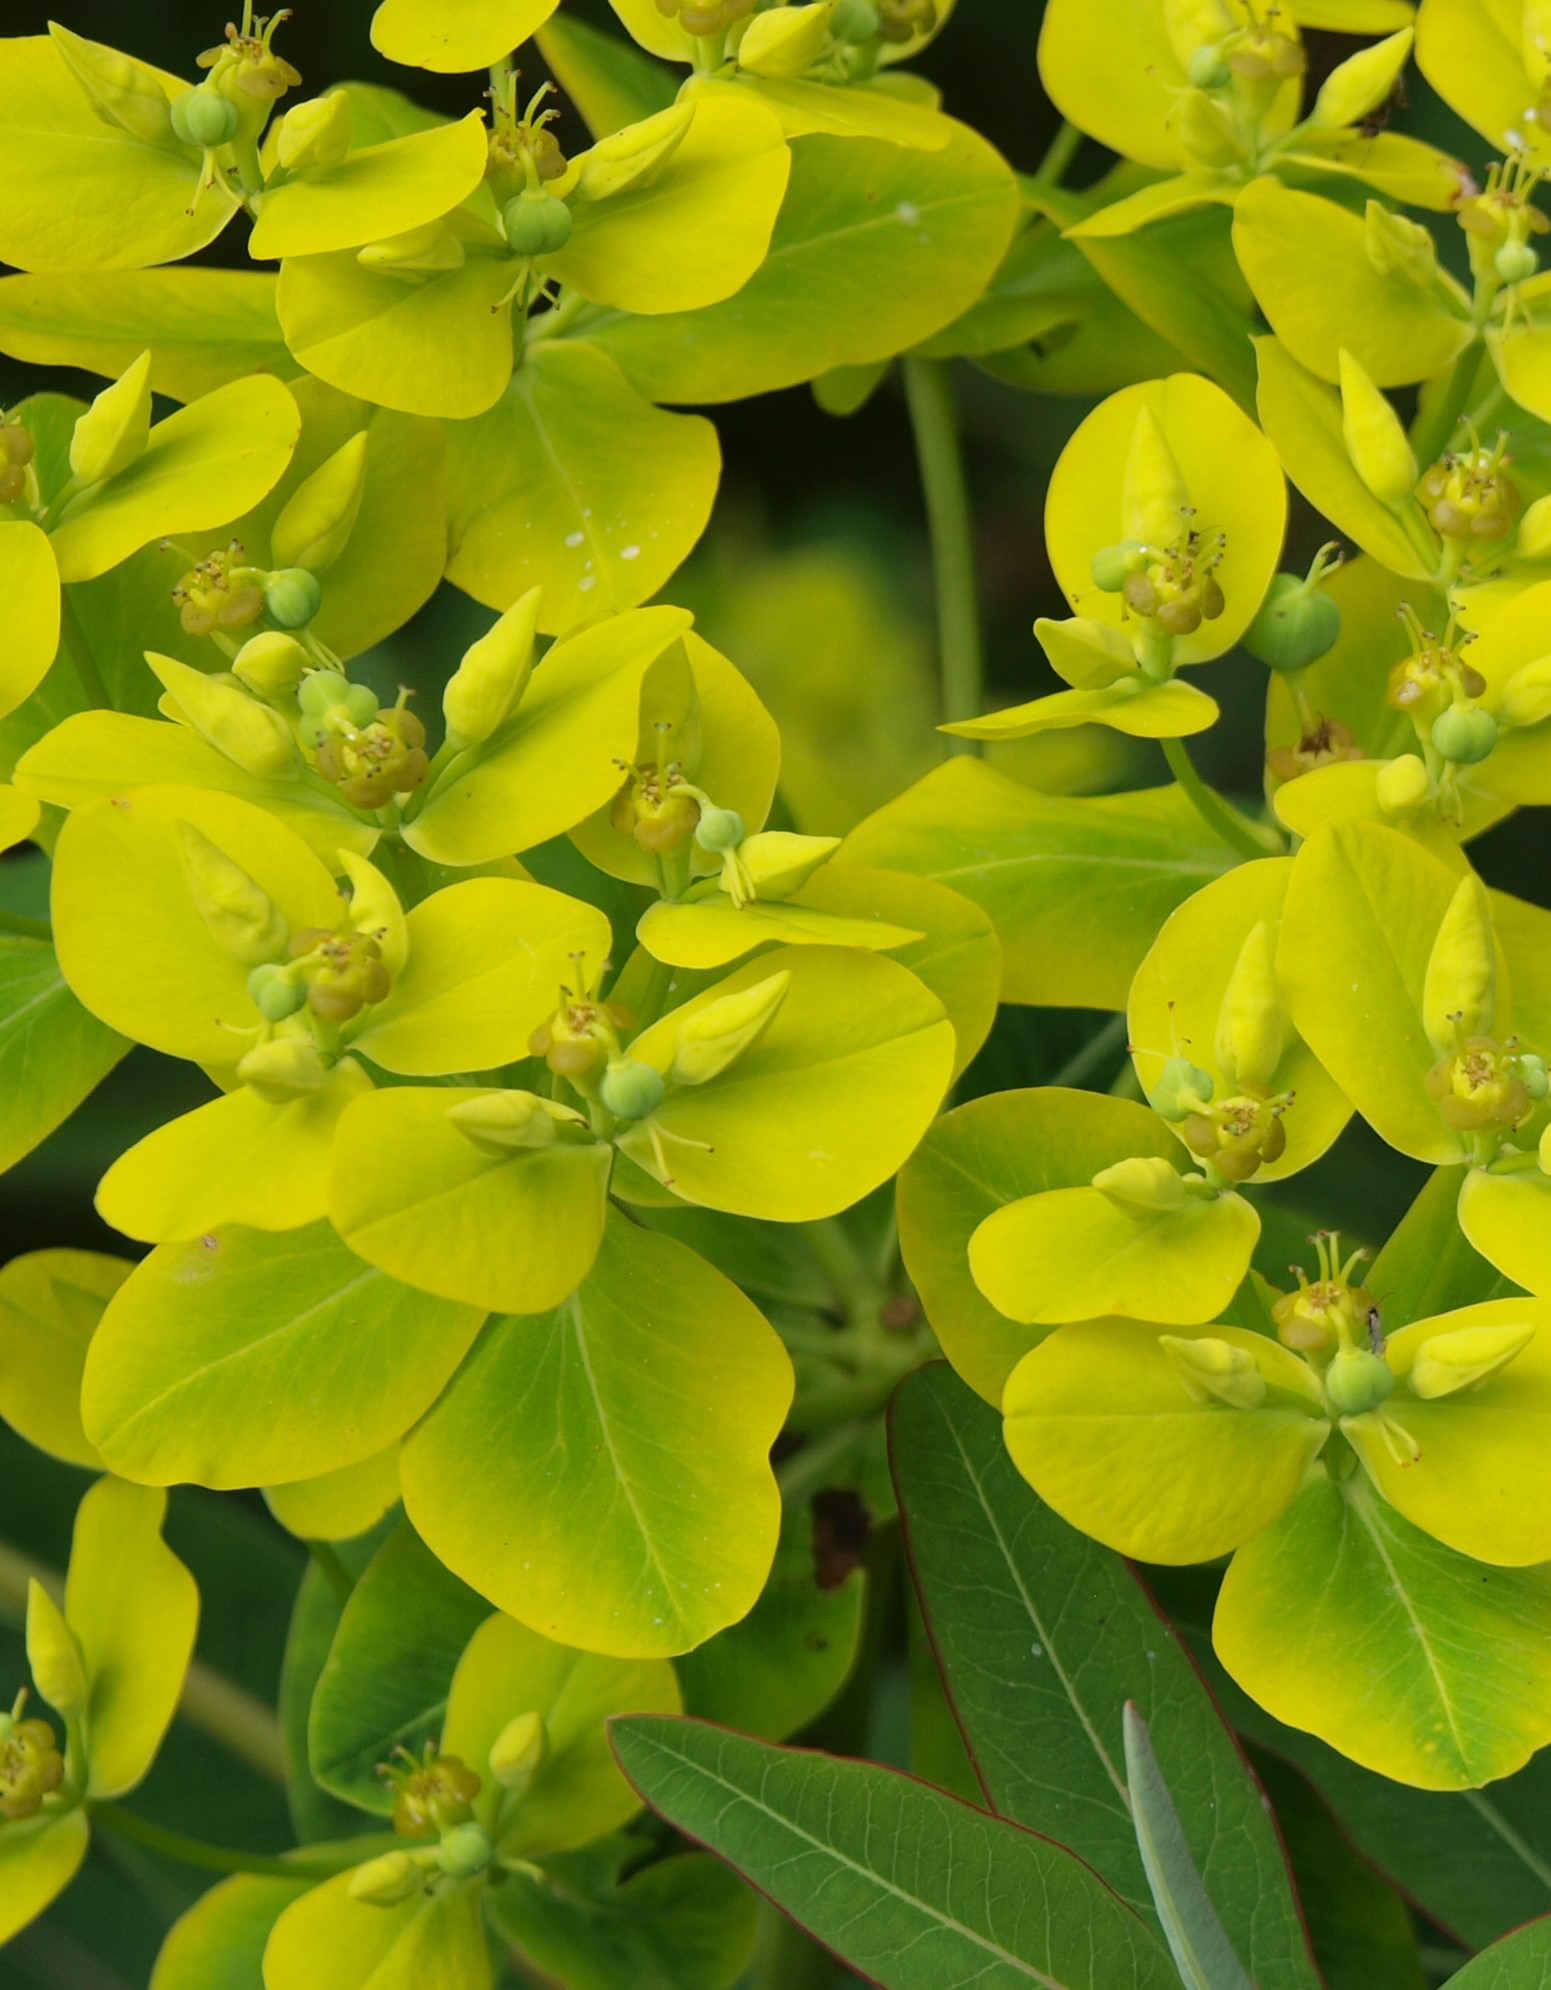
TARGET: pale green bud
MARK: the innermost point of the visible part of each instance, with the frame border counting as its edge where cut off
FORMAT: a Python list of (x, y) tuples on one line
[(1182, 1088), (286, 1068), (465, 1850), (1206, 131), (52, 1652), (1153, 496), (386, 1881), (113, 432), (121, 91), (1465, 734), (627, 157), (292, 597), (1400, 247), (1526, 699), (502, 1123), (236, 724), (243, 919), (1361, 83), (630, 1089), (315, 525), (1357, 1381), (719, 830), (272, 665), (1458, 1360), (1403, 786), (1375, 439), (274, 992), (1089, 655), (316, 133), (711, 1038), (777, 863), (426, 250), (787, 41), (520, 1751), (487, 686), (1216, 1370), (1461, 982), (1142, 1187), (1534, 535), (1252, 1023)]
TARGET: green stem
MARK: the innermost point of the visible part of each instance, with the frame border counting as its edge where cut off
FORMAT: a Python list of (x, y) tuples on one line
[(1094, 1055), (655, 995), (1059, 154), (1234, 829), (934, 420), (1431, 432), (332, 1569), (856, 1291), (82, 655), (211, 1858), (25, 928)]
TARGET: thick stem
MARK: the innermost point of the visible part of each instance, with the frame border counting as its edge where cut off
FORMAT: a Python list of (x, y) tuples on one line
[(857, 1293), (211, 1858), (1246, 837), (1432, 432), (1059, 154), (929, 394)]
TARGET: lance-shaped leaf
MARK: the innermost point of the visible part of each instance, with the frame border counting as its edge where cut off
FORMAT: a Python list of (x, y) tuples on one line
[(453, 35), (577, 1792), (641, 1412), (511, 1232), (202, 327), (1442, 1677), (896, 242), (556, 759), (389, 1669), (1102, 1423), (901, 1881), (1041, 1636), (337, 1358), (1076, 888), (378, 191), (328, 1940), (29, 581), (53, 1052), (202, 467), (575, 483), (823, 1107), (1130, 705), (50, 1303), (130, 199)]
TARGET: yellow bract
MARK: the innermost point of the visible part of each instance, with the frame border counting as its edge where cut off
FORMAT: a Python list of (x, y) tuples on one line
[(455, 34)]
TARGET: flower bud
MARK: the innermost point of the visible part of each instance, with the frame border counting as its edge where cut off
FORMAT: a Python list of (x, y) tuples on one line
[(1206, 68), (386, 1881), (1183, 1088), (1516, 262), (243, 919), (1449, 1362), (1154, 498), (785, 42), (1216, 1370), (205, 118), (321, 690), (1361, 83), (1112, 566), (435, 1795), (465, 1850), (1533, 1074), (1358, 1381), (1398, 246), (53, 1654), (248, 733), (275, 992), (1465, 734), (854, 21), (1296, 624), (113, 431), (502, 1123), (711, 1038), (487, 686), (1251, 1025), (630, 1089), (292, 597), (1375, 440), (316, 133), (417, 252), (1534, 537), (1142, 1188), (272, 665), (120, 90), (536, 224), (1459, 990), (315, 525), (287, 1068), (520, 1751), (1206, 131), (627, 157), (777, 863), (1526, 699), (719, 830), (1089, 655), (1403, 786)]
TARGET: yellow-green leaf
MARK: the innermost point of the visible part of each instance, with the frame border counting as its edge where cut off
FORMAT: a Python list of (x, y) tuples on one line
[(328, 1941), (38, 1860), (1131, 705), (378, 191), (453, 35), (29, 586), (50, 1303), (337, 1506), (1508, 1219)]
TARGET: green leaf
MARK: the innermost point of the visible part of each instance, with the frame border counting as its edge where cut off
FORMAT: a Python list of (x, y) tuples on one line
[(637, 1416), (1444, 1680), (876, 248), (610, 82), (684, 1923), (219, 1943), (203, 466), (781, 1666), (1042, 1636), (389, 1668), (247, 1359), (314, 1619), (1173, 296), (329, 1941), (1076, 888), (52, 1051), (1520, 1961), (909, 1886), (1197, 1939), (575, 483), (203, 327), (30, 583), (50, 1304)]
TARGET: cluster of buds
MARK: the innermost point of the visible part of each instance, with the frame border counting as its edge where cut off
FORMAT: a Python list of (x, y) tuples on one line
[(1235, 1136), (1437, 689), (1467, 493), (245, 64), (581, 1039), (524, 153), (432, 1793), (369, 752), (17, 450), (223, 592), (31, 1766), (1499, 220), (1480, 1084), (1328, 1312), (335, 974), (1174, 586)]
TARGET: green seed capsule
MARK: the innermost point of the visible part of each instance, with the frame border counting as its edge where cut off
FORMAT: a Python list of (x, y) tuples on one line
[(292, 597), (1533, 1074), (537, 227), (1516, 262), (274, 993), (1207, 69), (321, 691), (1357, 1381), (205, 118), (465, 1850), (631, 1090), (1296, 625), (1112, 566), (719, 829), (1464, 734), (854, 21), (361, 703)]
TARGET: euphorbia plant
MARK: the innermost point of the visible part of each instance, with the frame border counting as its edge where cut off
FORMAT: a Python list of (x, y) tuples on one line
[(519, 1214)]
